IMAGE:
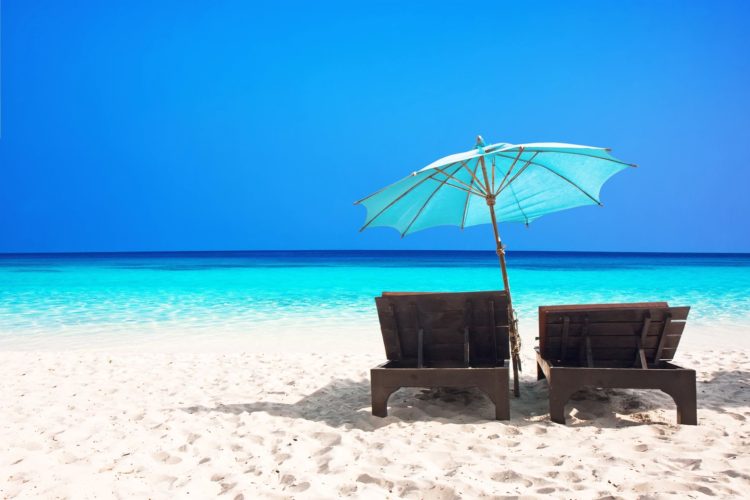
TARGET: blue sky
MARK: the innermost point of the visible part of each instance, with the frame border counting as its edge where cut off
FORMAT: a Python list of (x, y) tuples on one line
[(224, 125)]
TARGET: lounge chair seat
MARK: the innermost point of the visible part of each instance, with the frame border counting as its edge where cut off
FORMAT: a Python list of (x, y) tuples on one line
[(614, 346), (443, 340)]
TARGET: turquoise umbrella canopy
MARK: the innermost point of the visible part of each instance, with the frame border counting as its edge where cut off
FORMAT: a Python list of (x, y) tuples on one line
[(525, 181), (494, 183)]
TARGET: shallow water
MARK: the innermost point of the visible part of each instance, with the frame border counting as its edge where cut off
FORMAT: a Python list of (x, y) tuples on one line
[(54, 300)]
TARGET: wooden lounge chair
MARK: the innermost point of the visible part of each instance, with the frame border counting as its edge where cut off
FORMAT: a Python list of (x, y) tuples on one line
[(443, 340), (615, 346)]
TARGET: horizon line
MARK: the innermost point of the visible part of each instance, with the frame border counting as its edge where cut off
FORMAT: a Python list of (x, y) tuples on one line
[(162, 252)]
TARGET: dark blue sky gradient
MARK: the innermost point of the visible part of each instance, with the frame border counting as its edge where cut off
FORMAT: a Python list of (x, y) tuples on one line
[(223, 125)]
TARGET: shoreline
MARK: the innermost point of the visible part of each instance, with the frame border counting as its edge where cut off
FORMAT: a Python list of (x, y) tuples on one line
[(299, 336)]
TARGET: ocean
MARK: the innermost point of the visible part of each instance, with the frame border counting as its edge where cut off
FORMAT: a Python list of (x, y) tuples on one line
[(83, 300)]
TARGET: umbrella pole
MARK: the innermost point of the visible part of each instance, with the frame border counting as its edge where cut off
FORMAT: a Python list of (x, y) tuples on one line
[(515, 341)]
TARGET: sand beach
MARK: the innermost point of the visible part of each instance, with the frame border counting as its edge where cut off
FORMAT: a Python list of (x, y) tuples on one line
[(165, 422), (216, 218)]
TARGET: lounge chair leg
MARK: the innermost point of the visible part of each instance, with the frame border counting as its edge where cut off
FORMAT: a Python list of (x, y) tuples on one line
[(683, 394), (559, 394), (687, 412), (497, 390), (380, 395), (557, 410)]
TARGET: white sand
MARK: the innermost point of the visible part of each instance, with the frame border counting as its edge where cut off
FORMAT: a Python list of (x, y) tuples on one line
[(119, 423)]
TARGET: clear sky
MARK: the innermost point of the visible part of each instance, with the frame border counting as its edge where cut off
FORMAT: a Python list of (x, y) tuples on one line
[(223, 125)]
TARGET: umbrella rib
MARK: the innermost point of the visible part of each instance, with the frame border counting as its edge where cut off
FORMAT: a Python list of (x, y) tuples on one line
[(399, 197), (393, 184), (461, 188), (520, 171), (615, 160), (451, 176), (513, 191), (445, 181), (512, 166), (428, 201), (379, 191), (466, 205), (562, 177), (474, 176)]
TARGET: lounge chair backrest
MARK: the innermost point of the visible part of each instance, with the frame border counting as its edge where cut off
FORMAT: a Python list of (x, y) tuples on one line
[(467, 328), (610, 335)]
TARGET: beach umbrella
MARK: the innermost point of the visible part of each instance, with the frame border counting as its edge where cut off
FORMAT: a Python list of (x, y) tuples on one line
[(490, 184)]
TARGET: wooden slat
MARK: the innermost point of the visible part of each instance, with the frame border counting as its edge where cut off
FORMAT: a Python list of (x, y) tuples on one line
[(600, 363), (620, 341), (493, 326), (390, 329), (443, 352), (626, 355), (447, 301), (667, 354), (452, 335), (453, 321), (434, 352), (584, 351), (615, 315), (443, 319), (630, 328), (468, 322), (608, 307), (601, 316), (449, 295), (640, 356), (420, 334), (679, 313), (645, 328), (662, 338), (420, 348), (565, 308), (612, 322), (437, 304), (564, 340), (466, 347), (503, 341), (589, 355), (398, 353)]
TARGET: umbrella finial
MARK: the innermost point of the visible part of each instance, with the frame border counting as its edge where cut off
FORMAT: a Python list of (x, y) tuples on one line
[(480, 141)]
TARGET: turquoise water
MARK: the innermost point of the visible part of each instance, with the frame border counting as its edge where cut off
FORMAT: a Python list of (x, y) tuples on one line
[(48, 297)]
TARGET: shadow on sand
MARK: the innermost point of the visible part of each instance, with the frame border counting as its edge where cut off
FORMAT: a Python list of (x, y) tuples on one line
[(345, 402), (720, 392)]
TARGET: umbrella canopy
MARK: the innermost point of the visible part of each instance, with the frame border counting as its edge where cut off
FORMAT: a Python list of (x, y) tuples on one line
[(490, 183), (525, 180)]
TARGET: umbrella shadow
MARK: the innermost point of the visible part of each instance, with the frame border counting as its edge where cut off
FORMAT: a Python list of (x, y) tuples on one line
[(589, 407), (724, 390), (615, 408), (727, 380), (345, 402)]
